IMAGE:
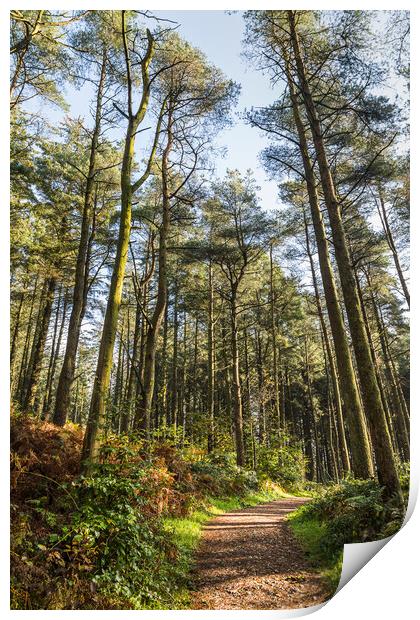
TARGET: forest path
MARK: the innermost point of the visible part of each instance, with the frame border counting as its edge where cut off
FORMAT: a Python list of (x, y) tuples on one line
[(249, 559)]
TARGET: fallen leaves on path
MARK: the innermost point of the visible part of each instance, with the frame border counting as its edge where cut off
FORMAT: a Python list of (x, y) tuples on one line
[(249, 559)]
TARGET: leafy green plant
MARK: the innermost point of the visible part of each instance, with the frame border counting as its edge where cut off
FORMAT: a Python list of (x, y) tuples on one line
[(348, 512), (283, 463)]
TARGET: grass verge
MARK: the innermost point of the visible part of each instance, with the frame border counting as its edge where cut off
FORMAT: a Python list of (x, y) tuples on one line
[(186, 532), (312, 535)]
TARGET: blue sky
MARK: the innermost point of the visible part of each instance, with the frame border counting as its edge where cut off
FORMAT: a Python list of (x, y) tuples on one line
[(219, 35)]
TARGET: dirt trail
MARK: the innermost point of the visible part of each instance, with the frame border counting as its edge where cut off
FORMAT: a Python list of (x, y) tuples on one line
[(249, 559)]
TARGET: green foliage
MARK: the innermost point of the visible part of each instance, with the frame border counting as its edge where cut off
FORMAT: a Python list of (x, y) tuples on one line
[(122, 538), (284, 464), (404, 474), (38, 62), (349, 512), (116, 534), (219, 475), (354, 511)]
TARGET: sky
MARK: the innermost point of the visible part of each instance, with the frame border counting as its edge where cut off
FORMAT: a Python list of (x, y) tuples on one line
[(219, 35)]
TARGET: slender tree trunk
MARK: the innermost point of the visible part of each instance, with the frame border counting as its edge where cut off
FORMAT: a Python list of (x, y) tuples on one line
[(136, 362), (52, 354), (125, 417), (391, 244), (153, 328), (182, 407), (377, 369), (236, 386), (262, 429), (119, 380), (225, 363), (24, 361), (340, 422), (164, 391), (103, 370), (210, 359), (142, 359), (399, 417), (39, 346), (29, 362), (65, 381), (362, 464), (292, 412), (101, 384), (56, 353), (249, 425), (174, 386), (403, 403), (385, 461), (333, 455), (194, 388), (15, 334), (312, 434), (275, 371), (308, 446)]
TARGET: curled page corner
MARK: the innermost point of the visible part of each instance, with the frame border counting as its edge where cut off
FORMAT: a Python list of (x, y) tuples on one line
[(356, 555)]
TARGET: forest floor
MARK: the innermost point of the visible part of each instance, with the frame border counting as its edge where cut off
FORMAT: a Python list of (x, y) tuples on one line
[(250, 559)]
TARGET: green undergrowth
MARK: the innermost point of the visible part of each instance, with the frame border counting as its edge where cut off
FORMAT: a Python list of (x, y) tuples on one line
[(185, 534), (349, 512), (312, 533), (124, 536)]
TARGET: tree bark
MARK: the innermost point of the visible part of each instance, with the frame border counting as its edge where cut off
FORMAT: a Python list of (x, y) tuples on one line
[(24, 360), (14, 340), (362, 465), (96, 419), (262, 426), (385, 461), (145, 407), (174, 384), (275, 372), (391, 244), (345, 459), (56, 353), (210, 359), (236, 385), (66, 378), (39, 346), (399, 414)]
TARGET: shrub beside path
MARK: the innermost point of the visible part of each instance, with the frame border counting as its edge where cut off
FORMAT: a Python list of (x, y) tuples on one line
[(250, 559)]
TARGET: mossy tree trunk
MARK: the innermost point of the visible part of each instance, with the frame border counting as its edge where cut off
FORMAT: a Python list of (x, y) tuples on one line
[(361, 460), (384, 456), (39, 346), (153, 325), (237, 409), (66, 378), (210, 358), (344, 453), (391, 244), (96, 419)]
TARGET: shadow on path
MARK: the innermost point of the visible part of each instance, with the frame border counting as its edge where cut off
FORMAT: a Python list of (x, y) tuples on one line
[(249, 559)]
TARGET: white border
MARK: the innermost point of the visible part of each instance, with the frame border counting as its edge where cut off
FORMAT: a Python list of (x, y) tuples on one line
[(387, 586)]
